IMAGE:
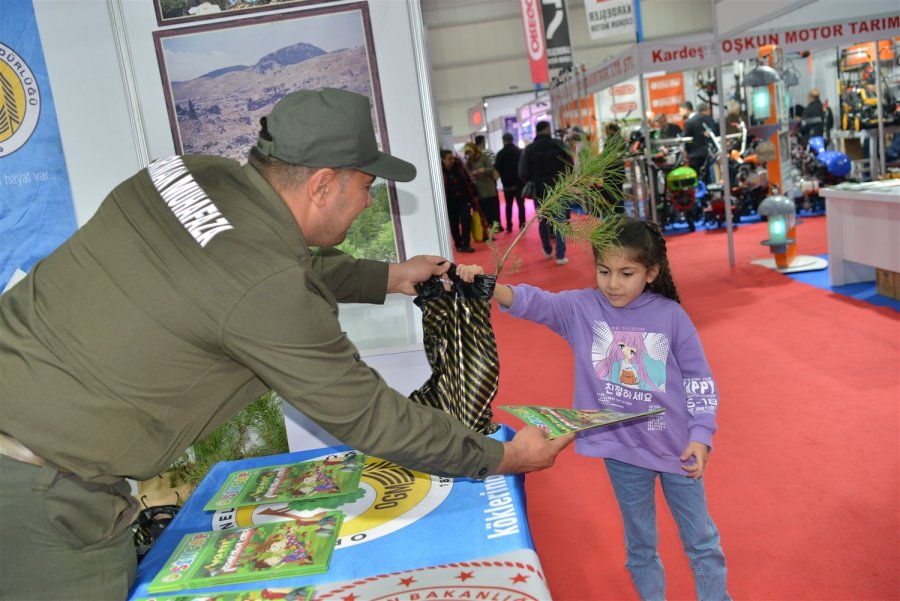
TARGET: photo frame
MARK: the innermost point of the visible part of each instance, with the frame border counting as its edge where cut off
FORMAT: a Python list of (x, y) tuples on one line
[(174, 12), (219, 79)]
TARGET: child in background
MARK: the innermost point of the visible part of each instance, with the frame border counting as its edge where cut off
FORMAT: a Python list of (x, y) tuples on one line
[(636, 349)]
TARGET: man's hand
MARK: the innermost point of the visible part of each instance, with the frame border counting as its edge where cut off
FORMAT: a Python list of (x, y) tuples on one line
[(403, 277), (530, 451), (700, 453)]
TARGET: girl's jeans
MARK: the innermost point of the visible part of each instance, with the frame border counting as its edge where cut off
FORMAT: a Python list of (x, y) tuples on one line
[(635, 491)]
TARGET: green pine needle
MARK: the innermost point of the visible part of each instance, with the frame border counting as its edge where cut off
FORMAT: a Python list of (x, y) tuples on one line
[(595, 184)]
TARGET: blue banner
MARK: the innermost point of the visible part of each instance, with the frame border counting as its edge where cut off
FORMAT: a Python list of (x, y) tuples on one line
[(36, 212)]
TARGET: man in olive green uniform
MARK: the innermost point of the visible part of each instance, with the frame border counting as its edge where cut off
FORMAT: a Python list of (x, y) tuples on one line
[(192, 291)]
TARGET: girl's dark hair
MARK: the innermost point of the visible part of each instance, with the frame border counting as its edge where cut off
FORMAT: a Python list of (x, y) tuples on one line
[(643, 241)]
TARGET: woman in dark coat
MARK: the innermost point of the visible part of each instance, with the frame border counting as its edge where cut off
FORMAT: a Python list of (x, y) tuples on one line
[(460, 196)]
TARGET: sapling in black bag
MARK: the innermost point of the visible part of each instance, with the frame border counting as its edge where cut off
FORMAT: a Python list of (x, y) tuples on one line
[(461, 349)]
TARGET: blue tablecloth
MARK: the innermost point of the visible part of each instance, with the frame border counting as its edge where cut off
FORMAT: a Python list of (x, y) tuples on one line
[(406, 521)]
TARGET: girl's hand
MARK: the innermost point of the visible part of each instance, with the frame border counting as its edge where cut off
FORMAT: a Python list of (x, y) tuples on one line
[(700, 453), (503, 294), (467, 273)]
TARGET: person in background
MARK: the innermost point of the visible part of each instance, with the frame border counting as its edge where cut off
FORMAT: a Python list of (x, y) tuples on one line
[(733, 117), (199, 285), (460, 198), (636, 349), (893, 152), (812, 121), (665, 130), (507, 165), (686, 110), (543, 161), (480, 166), (481, 143), (699, 127)]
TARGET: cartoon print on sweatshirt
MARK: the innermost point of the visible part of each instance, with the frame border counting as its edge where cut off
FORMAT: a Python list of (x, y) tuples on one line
[(630, 357)]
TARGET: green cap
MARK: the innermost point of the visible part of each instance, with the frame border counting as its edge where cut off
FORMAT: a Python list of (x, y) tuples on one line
[(329, 128)]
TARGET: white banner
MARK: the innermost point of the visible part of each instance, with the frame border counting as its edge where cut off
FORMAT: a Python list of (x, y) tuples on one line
[(694, 52), (812, 37), (607, 18), (688, 54), (621, 102), (612, 71)]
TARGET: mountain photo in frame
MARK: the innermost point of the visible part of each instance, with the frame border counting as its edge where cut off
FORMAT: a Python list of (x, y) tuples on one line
[(220, 78)]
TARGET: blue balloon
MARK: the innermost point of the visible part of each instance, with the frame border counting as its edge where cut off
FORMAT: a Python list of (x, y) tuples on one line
[(836, 163), (817, 144)]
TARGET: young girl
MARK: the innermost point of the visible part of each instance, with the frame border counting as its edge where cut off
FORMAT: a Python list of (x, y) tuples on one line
[(636, 349)]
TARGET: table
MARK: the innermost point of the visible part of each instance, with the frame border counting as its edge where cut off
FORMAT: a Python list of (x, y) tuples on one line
[(863, 230), (411, 535)]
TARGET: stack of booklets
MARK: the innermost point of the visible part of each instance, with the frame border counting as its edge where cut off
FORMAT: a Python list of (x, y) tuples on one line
[(273, 550), (299, 593), (266, 552), (318, 480)]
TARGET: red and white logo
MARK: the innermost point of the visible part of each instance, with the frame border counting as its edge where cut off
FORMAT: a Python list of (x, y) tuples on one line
[(535, 45)]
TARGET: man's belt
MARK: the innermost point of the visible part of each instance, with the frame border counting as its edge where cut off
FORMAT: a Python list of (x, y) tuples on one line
[(14, 449)]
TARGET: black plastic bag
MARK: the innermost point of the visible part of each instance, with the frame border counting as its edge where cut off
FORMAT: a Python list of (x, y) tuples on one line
[(151, 523), (461, 349)]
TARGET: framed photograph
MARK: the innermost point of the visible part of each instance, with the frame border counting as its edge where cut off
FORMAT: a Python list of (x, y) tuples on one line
[(172, 12), (219, 79)]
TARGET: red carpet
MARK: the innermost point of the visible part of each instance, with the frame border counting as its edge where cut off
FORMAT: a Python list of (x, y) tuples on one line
[(804, 481)]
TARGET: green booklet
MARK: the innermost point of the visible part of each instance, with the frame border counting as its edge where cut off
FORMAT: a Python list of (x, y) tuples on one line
[(294, 593), (557, 421), (266, 552), (332, 476)]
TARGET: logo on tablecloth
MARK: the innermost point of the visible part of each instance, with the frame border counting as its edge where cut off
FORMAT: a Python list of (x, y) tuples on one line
[(514, 576), (20, 101), (389, 492)]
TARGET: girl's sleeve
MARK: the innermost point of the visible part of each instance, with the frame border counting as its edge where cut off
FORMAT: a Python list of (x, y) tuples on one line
[(701, 392), (539, 306)]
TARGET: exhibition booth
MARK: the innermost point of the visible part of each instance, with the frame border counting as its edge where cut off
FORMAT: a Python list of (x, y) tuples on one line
[(820, 46)]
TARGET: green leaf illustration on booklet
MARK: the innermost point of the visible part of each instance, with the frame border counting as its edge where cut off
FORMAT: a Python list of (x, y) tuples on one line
[(320, 479), (292, 593), (267, 552), (557, 421)]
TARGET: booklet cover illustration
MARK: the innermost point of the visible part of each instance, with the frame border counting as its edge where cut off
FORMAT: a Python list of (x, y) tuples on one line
[(557, 421), (331, 476), (266, 552), (299, 593)]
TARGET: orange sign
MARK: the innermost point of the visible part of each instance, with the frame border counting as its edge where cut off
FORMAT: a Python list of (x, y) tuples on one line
[(863, 54), (579, 112), (665, 95)]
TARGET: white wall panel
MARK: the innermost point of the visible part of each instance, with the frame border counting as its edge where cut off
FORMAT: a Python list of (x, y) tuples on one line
[(81, 57)]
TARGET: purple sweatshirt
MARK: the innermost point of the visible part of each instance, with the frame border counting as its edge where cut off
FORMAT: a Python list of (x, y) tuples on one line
[(640, 357)]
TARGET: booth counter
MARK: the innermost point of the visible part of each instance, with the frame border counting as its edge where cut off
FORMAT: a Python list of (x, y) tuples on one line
[(411, 535), (863, 221)]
